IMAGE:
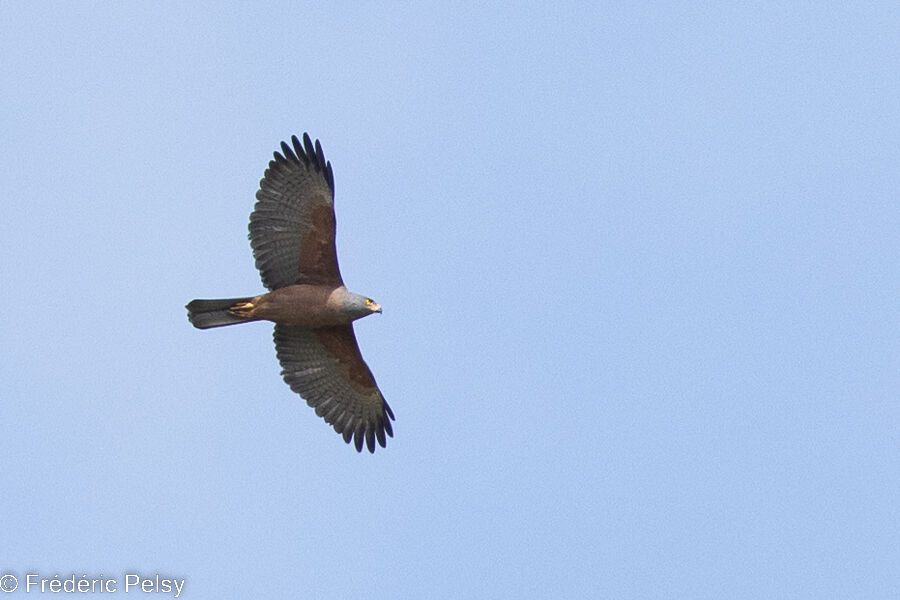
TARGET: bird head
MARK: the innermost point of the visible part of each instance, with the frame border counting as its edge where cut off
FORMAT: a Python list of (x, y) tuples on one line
[(358, 306), (372, 305)]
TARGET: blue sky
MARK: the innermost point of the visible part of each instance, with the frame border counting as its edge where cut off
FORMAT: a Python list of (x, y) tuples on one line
[(639, 270)]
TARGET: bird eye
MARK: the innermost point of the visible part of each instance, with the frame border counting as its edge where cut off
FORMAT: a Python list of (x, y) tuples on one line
[(368, 301)]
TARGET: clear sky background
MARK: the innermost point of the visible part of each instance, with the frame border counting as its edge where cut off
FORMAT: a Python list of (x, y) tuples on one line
[(639, 270)]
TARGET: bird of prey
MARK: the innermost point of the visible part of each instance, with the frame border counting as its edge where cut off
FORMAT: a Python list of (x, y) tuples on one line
[(292, 235)]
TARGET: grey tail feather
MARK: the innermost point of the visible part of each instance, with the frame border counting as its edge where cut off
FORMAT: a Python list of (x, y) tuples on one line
[(204, 314)]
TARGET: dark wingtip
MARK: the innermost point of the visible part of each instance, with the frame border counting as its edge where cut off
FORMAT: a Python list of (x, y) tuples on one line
[(288, 153), (298, 149), (309, 153), (320, 156)]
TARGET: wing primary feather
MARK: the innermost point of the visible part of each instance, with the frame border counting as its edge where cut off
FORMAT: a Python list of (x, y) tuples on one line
[(331, 415), (320, 156), (288, 153), (339, 422), (298, 148), (329, 176), (323, 407), (307, 143), (275, 166), (361, 432)]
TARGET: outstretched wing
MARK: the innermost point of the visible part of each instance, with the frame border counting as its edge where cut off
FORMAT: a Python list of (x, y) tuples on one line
[(292, 225), (325, 367)]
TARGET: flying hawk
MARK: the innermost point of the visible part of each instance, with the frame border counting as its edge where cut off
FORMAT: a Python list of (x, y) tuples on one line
[(292, 235)]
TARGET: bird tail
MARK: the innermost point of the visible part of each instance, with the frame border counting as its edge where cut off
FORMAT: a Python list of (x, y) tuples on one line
[(204, 314)]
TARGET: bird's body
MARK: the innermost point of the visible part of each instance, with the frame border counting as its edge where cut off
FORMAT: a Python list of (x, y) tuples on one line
[(308, 306), (292, 234)]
